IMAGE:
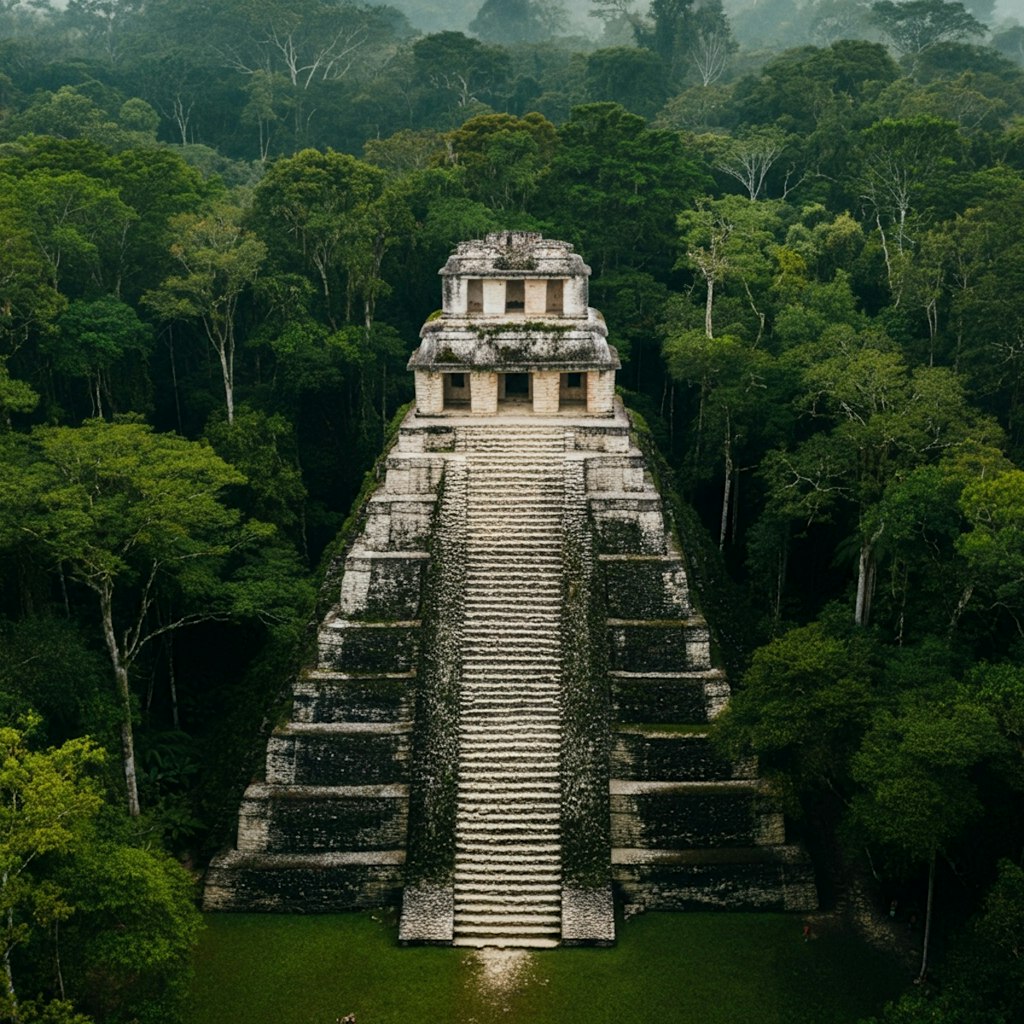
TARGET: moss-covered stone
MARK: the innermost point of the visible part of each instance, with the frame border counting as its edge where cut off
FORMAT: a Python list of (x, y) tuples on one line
[(338, 759), (369, 647), (645, 587), (776, 879), (668, 697), (322, 824), (672, 757), (657, 646), (294, 884), (343, 698), (690, 817)]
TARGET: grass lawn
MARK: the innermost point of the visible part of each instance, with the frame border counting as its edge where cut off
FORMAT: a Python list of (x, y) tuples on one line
[(666, 969)]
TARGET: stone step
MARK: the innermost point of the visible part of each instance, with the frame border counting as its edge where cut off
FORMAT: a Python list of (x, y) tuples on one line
[(498, 756), (540, 732), (524, 892), (475, 808), (478, 848), (507, 942), (494, 662), (499, 903), (506, 926), (485, 879), (505, 773), (511, 831), (509, 789), (507, 744)]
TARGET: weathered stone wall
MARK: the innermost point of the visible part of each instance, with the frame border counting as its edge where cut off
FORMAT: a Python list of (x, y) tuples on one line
[(324, 883), (689, 829), (777, 878), (546, 392), (601, 392), (326, 828), (429, 392), (483, 392)]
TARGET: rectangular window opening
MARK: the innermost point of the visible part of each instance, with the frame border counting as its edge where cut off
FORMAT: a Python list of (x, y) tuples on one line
[(556, 293), (515, 296), (456, 389), (572, 389), (516, 386), (474, 296)]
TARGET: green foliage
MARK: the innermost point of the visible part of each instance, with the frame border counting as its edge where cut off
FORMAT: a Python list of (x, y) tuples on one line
[(127, 948), (47, 800), (802, 708), (916, 769)]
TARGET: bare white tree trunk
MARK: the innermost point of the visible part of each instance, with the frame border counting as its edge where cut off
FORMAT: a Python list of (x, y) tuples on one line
[(124, 697), (927, 920)]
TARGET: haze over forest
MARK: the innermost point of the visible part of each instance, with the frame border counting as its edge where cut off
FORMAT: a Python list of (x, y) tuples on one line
[(221, 223)]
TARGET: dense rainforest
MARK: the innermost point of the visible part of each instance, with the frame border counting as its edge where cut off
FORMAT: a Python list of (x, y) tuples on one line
[(220, 230)]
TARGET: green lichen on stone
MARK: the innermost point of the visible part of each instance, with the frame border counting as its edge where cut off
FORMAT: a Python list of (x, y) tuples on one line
[(435, 757), (332, 562), (586, 839)]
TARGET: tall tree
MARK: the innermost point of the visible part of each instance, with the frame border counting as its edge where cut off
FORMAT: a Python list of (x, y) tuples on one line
[(128, 514), (917, 772), (219, 260), (912, 26), (47, 799)]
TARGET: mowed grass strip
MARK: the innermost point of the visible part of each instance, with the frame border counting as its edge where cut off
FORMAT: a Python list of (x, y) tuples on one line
[(666, 969)]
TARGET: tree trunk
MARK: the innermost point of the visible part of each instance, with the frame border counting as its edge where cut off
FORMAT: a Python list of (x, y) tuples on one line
[(865, 581), (709, 303), (927, 920), (8, 972), (125, 698), (727, 486), (227, 371)]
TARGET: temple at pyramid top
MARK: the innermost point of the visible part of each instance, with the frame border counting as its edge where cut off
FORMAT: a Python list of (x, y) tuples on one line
[(514, 334)]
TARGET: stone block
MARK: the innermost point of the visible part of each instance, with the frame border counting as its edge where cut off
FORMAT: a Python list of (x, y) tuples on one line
[(345, 645), (428, 915), (601, 392), (483, 393), (612, 439), (312, 883), (429, 392), (588, 916), (682, 816), (628, 525), (645, 587), (575, 296), (319, 819), (324, 697), (338, 755), (494, 297), (777, 879), (545, 392), (664, 697), (649, 754), (615, 474), (382, 585), (398, 522), (413, 474), (536, 297), (658, 645), (453, 295)]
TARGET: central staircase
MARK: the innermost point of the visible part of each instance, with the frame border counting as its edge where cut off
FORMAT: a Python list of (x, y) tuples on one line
[(508, 839)]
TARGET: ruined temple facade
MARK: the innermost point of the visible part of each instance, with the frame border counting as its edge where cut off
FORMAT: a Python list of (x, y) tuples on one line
[(506, 724)]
